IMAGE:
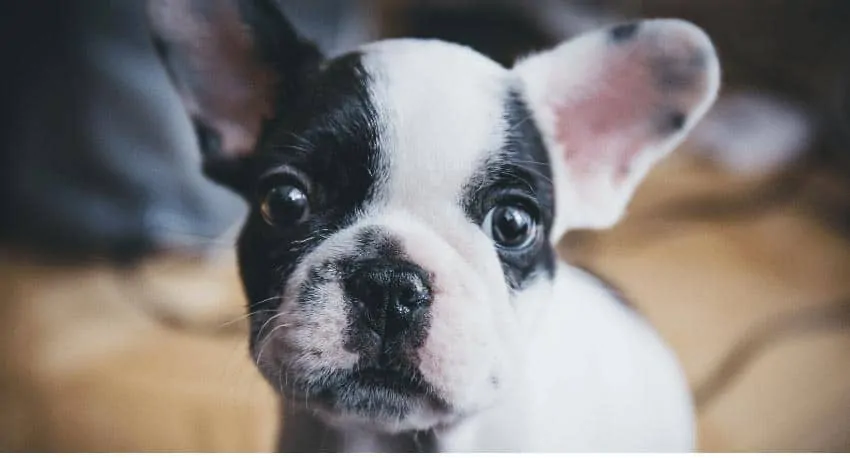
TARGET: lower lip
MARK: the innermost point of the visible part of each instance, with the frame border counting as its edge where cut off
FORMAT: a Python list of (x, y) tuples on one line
[(393, 380)]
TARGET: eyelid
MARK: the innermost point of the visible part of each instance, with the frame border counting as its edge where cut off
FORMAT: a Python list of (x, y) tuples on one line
[(283, 174), (523, 198)]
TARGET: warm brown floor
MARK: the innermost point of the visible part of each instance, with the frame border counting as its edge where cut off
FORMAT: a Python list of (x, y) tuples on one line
[(84, 366)]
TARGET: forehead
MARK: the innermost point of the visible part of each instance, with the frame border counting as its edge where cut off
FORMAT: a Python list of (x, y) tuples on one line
[(441, 112)]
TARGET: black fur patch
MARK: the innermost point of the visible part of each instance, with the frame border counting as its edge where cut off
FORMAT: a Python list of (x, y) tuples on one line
[(624, 32), (520, 170), (329, 136)]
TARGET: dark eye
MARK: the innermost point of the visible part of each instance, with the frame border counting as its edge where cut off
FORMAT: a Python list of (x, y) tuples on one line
[(285, 205), (510, 226)]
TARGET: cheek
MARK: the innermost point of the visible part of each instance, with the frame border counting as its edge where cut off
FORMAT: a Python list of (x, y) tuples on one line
[(307, 336), (468, 348), (308, 331), (317, 327), (472, 334)]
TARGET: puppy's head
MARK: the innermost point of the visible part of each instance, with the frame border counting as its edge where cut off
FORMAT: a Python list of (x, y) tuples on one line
[(406, 197)]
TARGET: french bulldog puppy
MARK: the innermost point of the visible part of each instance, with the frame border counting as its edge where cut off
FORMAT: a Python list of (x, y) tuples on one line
[(406, 199)]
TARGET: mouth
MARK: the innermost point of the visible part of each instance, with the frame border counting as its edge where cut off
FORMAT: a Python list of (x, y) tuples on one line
[(404, 383), (374, 393)]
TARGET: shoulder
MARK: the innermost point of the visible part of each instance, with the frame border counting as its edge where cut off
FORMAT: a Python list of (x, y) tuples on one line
[(605, 362)]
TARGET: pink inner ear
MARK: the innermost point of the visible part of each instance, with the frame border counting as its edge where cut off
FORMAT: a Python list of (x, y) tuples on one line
[(608, 125)]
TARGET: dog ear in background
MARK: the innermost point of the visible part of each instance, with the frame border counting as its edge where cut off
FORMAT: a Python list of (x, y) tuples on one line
[(610, 104), (233, 62)]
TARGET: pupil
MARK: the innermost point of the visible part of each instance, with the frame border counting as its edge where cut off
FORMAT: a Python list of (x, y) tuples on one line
[(512, 225), (285, 204)]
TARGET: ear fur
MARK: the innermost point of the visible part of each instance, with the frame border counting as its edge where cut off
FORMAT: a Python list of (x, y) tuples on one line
[(610, 104), (233, 62)]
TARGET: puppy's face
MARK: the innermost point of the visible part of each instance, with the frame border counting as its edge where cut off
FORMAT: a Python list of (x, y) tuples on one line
[(405, 197), (400, 215)]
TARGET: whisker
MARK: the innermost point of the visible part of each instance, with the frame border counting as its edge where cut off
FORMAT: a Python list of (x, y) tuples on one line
[(279, 376), (511, 174), (263, 301), (249, 314), (522, 161), (269, 320), (537, 173), (303, 140), (288, 146), (294, 245), (239, 318), (519, 123), (267, 340)]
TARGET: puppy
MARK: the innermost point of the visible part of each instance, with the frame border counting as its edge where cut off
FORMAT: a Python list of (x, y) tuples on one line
[(406, 199)]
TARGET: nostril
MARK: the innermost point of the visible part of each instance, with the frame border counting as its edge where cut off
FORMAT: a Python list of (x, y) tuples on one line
[(412, 292)]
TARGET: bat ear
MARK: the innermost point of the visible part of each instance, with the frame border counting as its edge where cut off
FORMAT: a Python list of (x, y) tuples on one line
[(610, 104), (233, 62)]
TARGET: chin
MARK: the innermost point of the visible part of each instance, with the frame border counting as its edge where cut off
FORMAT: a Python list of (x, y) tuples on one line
[(376, 399)]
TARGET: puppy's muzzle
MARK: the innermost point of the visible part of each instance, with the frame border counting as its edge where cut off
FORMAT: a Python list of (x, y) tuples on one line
[(390, 300)]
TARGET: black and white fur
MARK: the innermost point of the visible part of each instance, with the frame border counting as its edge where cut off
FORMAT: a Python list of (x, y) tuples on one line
[(403, 148)]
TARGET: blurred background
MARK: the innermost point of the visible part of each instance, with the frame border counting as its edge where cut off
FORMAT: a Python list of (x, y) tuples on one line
[(123, 321)]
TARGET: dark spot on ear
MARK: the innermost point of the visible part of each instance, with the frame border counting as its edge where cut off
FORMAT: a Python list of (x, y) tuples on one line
[(675, 121), (672, 78), (624, 32), (679, 74)]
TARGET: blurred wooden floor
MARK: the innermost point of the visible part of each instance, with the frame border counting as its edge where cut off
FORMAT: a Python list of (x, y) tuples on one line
[(85, 366), (87, 363)]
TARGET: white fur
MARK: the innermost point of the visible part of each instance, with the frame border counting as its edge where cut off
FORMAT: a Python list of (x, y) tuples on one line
[(441, 106), (594, 378)]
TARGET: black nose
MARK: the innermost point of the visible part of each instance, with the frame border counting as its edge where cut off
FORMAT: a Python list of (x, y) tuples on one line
[(390, 295)]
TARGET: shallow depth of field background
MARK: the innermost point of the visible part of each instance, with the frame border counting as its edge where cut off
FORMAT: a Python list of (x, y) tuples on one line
[(123, 322)]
